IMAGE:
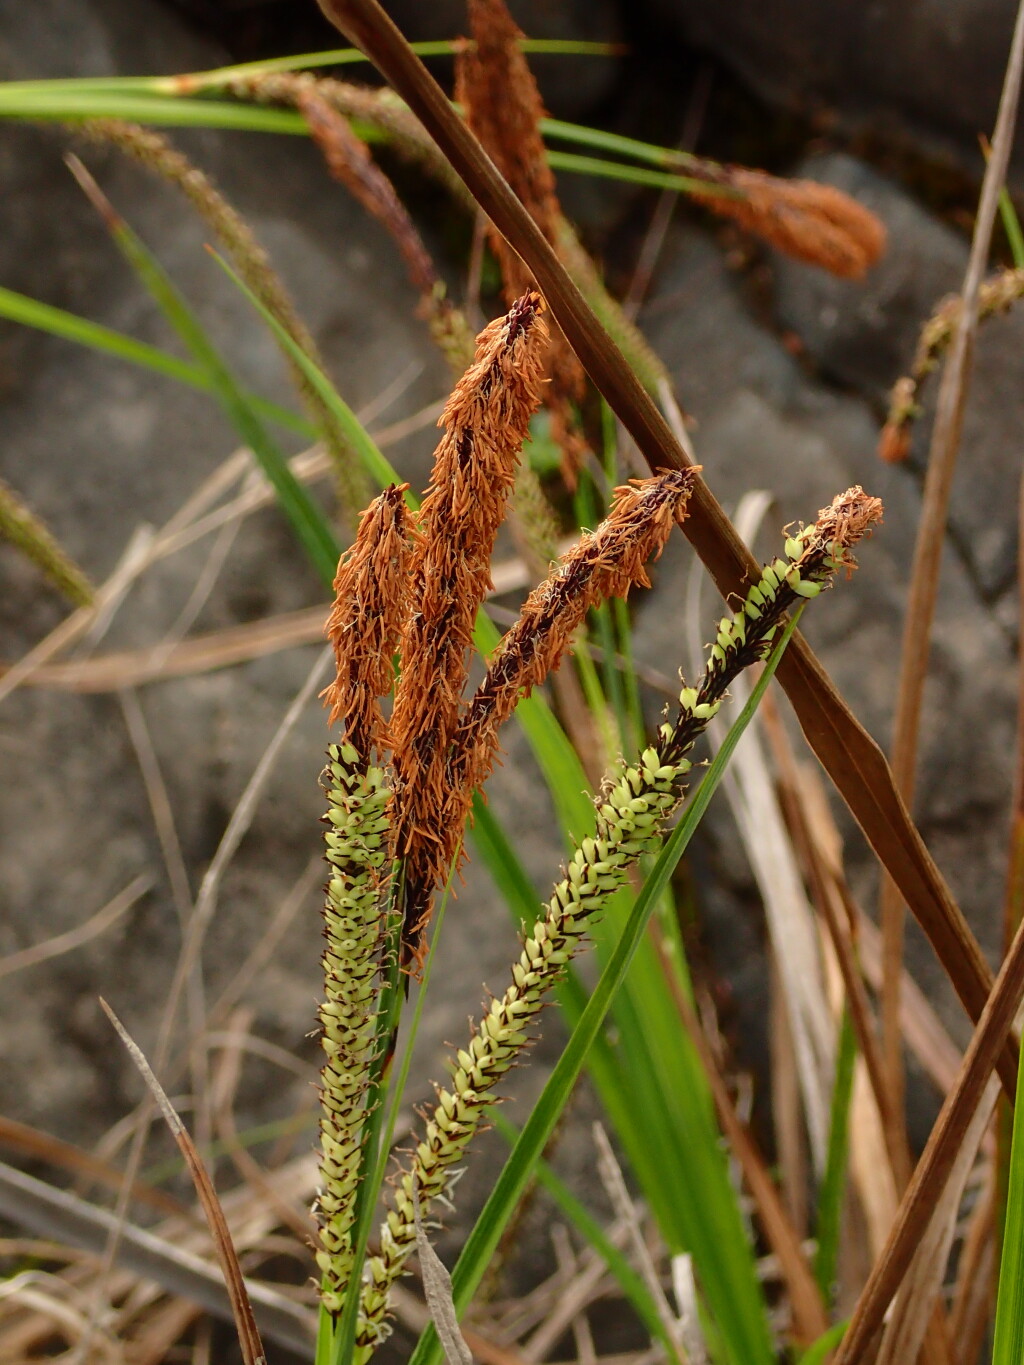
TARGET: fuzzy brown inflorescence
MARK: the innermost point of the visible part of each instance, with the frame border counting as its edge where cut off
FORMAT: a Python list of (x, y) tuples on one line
[(811, 222), (496, 88), (486, 420), (997, 295), (605, 563), (371, 603)]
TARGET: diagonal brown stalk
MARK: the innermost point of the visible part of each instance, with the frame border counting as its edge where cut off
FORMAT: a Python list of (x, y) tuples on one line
[(924, 583), (850, 756)]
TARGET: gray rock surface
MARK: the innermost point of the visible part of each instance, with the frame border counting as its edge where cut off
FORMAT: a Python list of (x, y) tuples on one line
[(932, 71)]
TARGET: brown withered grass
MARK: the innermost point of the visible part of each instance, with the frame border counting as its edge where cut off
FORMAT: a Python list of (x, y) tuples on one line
[(485, 422), (371, 604)]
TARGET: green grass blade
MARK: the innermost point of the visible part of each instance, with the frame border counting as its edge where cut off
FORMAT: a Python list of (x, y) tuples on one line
[(615, 144), (1011, 226), (825, 1345), (358, 438), (833, 1185), (197, 81), (636, 175), (1008, 1345), (53, 101), (309, 523), (44, 317), (484, 1238)]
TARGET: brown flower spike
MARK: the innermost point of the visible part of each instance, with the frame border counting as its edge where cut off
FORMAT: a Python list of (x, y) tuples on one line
[(371, 603), (486, 420), (605, 563), (811, 222), (496, 88)]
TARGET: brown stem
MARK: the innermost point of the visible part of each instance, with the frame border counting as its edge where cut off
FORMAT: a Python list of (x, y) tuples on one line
[(937, 1160), (924, 583)]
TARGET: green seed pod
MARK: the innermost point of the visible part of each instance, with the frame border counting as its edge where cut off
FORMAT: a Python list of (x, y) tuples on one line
[(807, 588)]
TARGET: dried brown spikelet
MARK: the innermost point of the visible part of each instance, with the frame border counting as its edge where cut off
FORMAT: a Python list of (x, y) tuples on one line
[(495, 86), (350, 162), (486, 420), (848, 518), (383, 109), (504, 108), (371, 601), (814, 223), (602, 564), (995, 296)]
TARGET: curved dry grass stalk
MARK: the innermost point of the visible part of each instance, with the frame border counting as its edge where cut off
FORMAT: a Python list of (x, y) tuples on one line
[(241, 1307), (96, 924)]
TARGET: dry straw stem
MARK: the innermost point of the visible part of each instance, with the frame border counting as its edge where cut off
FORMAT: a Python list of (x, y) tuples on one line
[(245, 1322), (924, 583), (157, 154), (371, 602), (632, 807), (850, 756), (486, 420), (496, 88), (995, 296), (20, 525), (937, 1160)]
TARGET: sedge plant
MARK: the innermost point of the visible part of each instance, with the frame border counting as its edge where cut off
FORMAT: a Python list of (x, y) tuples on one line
[(400, 787)]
